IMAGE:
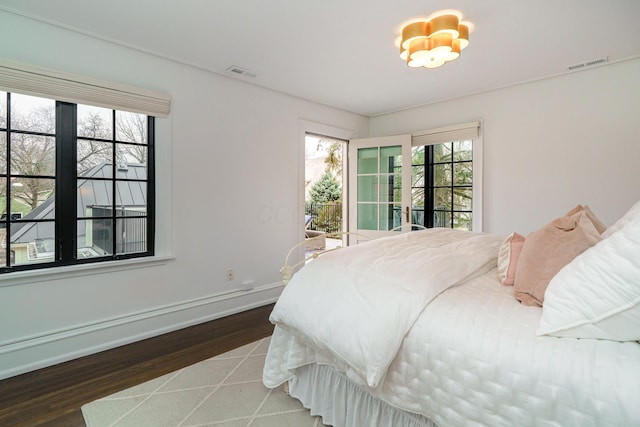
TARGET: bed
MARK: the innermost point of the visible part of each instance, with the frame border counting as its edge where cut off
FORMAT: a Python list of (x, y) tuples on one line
[(423, 329)]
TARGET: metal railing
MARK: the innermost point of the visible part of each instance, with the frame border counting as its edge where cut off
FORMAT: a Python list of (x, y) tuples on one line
[(129, 232), (325, 217)]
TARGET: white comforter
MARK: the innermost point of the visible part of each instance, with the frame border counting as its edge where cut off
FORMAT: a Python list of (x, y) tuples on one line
[(385, 282), (473, 358)]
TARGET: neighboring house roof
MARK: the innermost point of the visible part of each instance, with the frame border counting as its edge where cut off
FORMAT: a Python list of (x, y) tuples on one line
[(91, 193)]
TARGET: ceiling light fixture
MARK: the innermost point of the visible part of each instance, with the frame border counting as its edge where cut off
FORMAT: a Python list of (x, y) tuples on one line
[(432, 42)]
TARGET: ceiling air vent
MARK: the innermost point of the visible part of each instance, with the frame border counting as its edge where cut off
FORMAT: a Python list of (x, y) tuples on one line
[(589, 63), (239, 71)]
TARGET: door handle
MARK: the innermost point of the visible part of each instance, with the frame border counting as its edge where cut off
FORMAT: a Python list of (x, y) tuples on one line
[(406, 214)]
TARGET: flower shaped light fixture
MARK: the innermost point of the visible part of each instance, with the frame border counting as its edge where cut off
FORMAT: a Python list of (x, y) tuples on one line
[(432, 42)]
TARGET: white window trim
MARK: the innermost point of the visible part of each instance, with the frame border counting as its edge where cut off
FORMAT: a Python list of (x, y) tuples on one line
[(307, 126), (51, 274), (27, 79)]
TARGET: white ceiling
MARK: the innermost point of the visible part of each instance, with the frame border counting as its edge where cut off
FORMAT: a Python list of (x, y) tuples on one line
[(342, 52)]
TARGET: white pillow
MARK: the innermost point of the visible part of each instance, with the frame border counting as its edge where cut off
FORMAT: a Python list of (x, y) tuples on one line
[(597, 295), (631, 213)]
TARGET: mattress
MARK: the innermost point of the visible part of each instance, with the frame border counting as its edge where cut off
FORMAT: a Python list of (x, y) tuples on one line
[(473, 358)]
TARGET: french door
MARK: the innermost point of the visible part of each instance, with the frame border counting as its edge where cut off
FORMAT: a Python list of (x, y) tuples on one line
[(379, 186)]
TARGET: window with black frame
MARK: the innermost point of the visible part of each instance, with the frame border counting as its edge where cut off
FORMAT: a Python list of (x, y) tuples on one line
[(76, 183), (442, 185)]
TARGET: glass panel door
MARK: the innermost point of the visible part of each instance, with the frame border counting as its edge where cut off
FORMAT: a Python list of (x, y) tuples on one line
[(379, 202)]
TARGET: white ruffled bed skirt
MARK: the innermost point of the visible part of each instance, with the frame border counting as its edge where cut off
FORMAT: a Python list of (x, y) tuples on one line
[(340, 403)]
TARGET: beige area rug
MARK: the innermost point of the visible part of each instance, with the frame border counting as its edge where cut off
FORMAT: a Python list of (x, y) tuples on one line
[(225, 390)]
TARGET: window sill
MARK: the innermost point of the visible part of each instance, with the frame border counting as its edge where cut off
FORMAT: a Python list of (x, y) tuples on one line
[(60, 273)]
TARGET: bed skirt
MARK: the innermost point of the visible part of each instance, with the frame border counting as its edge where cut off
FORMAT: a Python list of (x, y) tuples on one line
[(340, 403)]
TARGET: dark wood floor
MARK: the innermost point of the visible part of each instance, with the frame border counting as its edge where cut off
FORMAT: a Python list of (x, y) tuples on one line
[(53, 396)]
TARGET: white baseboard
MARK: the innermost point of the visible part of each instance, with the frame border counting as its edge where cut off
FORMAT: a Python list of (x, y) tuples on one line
[(39, 351)]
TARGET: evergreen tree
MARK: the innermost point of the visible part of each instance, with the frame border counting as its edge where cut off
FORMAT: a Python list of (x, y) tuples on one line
[(325, 190)]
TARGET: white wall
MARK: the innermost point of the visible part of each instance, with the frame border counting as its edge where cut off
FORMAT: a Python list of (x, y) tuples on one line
[(228, 160), (548, 145)]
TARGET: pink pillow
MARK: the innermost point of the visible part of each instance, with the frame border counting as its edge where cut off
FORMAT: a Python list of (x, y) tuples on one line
[(596, 222), (508, 256), (547, 250)]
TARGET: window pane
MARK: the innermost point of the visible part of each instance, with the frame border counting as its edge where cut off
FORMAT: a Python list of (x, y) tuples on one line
[(95, 198), (95, 122), (417, 217), (367, 216), (417, 176), (391, 159), (462, 220), (30, 193), (3, 152), (367, 188), (3, 110), (441, 218), (463, 150), (127, 154), (442, 174), (367, 160), (442, 199), (397, 187), (95, 158), (417, 155), (131, 127), (33, 113), (463, 173), (131, 235), (386, 188), (33, 155), (131, 171), (19, 209), (390, 188), (131, 198), (390, 216), (95, 238), (463, 199), (32, 242), (417, 197), (3, 206), (442, 152)]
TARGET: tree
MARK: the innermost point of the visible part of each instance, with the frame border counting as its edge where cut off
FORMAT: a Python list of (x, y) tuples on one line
[(326, 190), (91, 152), (32, 155), (327, 194), (132, 127), (333, 161)]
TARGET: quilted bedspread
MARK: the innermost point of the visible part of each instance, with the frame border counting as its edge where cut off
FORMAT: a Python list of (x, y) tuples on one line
[(472, 357), (358, 303)]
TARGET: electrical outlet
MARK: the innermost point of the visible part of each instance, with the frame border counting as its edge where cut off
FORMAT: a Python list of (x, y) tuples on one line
[(230, 274)]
